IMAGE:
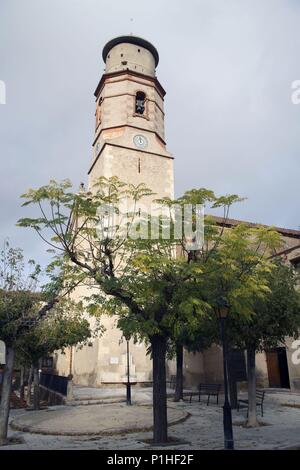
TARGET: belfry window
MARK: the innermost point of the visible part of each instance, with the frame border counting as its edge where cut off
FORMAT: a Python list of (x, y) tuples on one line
[(140, 99)]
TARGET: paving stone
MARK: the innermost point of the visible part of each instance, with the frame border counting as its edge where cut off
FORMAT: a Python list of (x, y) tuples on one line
[(202, 430)]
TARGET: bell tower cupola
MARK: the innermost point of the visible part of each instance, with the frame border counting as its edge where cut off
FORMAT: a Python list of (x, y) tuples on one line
[(130, 53)]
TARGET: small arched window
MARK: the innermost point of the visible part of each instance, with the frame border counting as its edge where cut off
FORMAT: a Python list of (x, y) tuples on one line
[(140, 99), (98, 112)]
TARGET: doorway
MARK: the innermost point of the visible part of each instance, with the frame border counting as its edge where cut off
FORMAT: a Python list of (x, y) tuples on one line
[(278, 372)]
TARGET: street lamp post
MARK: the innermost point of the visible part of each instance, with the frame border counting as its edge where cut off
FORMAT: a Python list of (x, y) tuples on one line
[(227, 416), (128, 384)]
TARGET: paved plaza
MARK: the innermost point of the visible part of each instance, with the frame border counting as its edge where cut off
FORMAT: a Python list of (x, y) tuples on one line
[(114, 426), (93, 420)]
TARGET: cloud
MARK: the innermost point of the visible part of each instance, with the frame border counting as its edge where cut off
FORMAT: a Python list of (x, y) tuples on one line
[(227, 68)]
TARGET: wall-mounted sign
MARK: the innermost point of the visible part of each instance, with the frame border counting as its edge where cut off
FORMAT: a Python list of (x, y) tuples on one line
[(114, 360)]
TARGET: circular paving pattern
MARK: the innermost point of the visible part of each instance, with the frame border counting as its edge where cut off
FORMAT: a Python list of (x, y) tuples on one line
[(92, 420)]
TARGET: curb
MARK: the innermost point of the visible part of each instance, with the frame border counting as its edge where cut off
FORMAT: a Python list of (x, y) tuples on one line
[(29, 429), (94, 402)]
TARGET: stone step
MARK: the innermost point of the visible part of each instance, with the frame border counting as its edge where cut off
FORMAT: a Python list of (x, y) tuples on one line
[(281, 390), (95, 401)]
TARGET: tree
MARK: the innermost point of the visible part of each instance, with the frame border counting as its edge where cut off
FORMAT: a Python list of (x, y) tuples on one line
[(137, 277), (220, 262), (23, 306), (63, 327), (193, 339), (238, 275), (156, 280), (190, 325), (233, 267), (228, 264), (20, 303), (275, 317)]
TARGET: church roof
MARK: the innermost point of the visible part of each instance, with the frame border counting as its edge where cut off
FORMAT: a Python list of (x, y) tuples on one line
[(233, 222)]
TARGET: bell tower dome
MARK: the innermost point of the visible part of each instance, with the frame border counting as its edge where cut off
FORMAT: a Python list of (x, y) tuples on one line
[(130, 53)]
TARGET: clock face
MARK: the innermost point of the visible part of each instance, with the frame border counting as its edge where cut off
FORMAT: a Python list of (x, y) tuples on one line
[(140, 141)]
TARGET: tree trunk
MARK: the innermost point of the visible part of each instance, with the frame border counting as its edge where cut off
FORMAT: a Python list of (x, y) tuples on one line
[(22, 382), (232, 391), (28, 395), (160, 424), (36, 388), (179, 373), (252, 418), (5, 395)]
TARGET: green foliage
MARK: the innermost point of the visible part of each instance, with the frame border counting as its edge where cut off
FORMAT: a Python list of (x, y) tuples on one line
[(276, 315), (15, 274), (18, 295), (140, 280), (24, 324), (238, 269), (63, 327), (16, 308)]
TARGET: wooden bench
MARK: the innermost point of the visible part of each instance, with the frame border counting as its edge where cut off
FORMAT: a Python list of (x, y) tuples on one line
[(260, 396), (207, 389)]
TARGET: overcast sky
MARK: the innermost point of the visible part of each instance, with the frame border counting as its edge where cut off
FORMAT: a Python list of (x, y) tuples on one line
[(227, 67)]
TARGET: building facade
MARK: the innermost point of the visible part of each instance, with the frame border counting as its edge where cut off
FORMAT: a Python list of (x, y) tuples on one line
[(129, 143)]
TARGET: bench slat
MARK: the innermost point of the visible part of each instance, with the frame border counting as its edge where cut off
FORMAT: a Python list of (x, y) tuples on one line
[(206, 389)]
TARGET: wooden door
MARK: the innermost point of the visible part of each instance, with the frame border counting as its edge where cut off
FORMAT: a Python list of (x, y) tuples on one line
[(273, 369)]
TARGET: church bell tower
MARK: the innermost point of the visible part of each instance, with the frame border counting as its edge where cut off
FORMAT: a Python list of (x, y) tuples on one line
[(129, 143), (129, 137)]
